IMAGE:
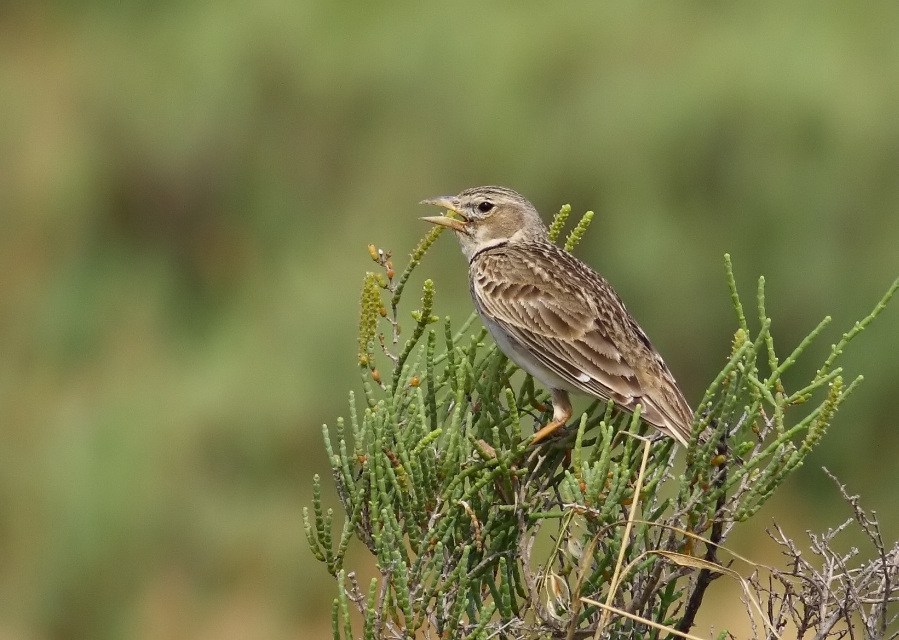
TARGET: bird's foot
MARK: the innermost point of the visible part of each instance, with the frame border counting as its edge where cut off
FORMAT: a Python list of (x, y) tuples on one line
[(561, 414), (547, 430)]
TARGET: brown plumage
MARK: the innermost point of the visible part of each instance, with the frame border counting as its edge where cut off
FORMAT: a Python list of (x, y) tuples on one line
[(555, 317)]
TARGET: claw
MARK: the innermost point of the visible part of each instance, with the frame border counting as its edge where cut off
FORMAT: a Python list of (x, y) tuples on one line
[(561, 414)]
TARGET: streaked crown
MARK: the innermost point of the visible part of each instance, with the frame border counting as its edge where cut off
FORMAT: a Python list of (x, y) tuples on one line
[(490, 216)]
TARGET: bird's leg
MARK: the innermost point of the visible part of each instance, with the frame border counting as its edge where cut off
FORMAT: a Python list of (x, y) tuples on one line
[(561, 413)]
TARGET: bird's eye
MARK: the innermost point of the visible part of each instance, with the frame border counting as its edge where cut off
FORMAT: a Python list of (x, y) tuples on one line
[(485, 206)]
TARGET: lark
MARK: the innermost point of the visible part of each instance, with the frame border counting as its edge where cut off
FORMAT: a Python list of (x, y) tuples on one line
[(554, 316)]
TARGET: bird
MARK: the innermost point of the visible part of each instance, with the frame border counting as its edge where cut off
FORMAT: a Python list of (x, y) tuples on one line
[(554, 316)]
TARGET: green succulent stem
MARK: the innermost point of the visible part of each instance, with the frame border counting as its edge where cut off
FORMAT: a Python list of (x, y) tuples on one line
[(436, 480)]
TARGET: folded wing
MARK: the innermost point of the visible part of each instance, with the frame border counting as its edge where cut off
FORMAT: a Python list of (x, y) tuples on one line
[(574, 323)]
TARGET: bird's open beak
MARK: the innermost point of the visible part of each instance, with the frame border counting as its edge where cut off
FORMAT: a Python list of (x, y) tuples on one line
[(445, 221)]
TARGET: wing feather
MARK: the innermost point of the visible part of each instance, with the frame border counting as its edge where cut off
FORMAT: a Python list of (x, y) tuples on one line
[(569, 318)]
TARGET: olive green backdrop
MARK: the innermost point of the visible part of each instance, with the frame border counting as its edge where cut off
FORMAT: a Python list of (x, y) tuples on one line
[(187, 190)]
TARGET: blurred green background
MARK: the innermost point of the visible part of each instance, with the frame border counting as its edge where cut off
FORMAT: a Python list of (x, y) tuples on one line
[(187, 190)]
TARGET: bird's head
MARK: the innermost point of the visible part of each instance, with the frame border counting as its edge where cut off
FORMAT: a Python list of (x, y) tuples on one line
[(488, 216)]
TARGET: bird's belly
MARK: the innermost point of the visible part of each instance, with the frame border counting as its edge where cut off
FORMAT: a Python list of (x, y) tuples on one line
[(525, 360)]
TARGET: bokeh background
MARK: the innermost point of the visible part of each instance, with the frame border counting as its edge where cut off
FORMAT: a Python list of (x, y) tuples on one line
[(187, 190)]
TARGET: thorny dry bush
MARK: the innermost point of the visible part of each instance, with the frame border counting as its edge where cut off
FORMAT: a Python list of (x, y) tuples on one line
[(600, 533), (832, 594)]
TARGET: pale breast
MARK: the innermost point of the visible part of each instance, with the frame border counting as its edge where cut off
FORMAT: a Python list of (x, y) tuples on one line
[(523, 358)]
